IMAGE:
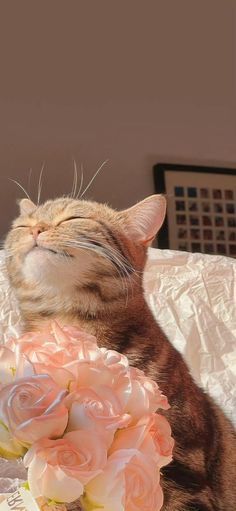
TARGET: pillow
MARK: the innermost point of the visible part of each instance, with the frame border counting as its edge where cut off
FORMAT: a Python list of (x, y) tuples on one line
[(193, 298)]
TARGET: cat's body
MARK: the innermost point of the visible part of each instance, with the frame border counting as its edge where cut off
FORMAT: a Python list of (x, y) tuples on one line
[(74, 261)]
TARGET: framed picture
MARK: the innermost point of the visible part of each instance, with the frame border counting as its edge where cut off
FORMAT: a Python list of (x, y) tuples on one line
[(201, 212)]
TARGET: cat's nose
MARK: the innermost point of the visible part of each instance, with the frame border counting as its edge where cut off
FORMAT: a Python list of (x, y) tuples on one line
[(36, 230)]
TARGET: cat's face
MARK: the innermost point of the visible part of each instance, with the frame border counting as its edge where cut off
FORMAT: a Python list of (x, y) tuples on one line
[(59, 241), (66, 244)]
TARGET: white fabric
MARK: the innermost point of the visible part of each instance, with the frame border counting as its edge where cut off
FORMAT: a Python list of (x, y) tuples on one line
[(193, 297), (9, 314)]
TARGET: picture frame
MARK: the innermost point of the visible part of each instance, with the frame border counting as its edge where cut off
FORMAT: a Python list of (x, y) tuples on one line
[(201, 208)]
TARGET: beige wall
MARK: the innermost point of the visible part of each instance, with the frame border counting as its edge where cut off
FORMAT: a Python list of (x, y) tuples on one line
[(134, 81)]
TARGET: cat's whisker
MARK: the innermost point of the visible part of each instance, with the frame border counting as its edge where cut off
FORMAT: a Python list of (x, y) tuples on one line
[(40, 183), (90, 246), (126, 267), (103, 250), (20, 186), (29, 180), (75, 181), (81, 180), (118, 254), (122, 258), (107, 253), (121, 270), (125, 272), (91, 181)]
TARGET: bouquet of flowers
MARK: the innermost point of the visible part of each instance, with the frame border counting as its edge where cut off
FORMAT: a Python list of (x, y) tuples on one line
[(84, 422)]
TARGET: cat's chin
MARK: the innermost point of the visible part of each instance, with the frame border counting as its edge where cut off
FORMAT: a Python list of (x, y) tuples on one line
[(53, 270), (40, 255), (43, 265)]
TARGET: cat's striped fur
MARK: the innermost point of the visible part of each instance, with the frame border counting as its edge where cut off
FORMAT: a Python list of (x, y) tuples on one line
[(82, 262)]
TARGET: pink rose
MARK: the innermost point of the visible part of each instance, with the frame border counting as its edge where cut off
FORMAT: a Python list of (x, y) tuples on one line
[(161, 434), (107, 490), (135, 436), (118, 364), (72, 358), (58, 351), (117, 361), (32, 408), (145, 395), (151, 435), (142, 487), (108, 368), (59, 469), (97, 410), (129, 481), (13, 365)]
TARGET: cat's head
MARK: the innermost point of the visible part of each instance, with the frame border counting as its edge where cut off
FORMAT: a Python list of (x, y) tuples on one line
[(66, 250)]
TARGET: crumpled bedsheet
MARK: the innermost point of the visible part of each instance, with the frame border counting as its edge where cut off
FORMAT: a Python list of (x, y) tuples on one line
[(193, 297)]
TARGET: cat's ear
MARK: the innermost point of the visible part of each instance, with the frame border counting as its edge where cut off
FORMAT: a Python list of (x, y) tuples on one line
[(143, 221), (26, 206)]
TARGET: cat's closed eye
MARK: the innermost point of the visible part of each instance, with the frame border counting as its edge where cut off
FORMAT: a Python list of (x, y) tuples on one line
[(59, 223), (72, 218)]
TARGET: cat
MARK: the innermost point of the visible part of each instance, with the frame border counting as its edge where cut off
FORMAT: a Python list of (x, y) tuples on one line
[(82, 263)]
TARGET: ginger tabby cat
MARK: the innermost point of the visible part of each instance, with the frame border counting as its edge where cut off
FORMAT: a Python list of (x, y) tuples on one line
[(81, 262)]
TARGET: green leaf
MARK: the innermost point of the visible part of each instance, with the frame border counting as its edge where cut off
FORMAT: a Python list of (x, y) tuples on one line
[(25, 485)]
